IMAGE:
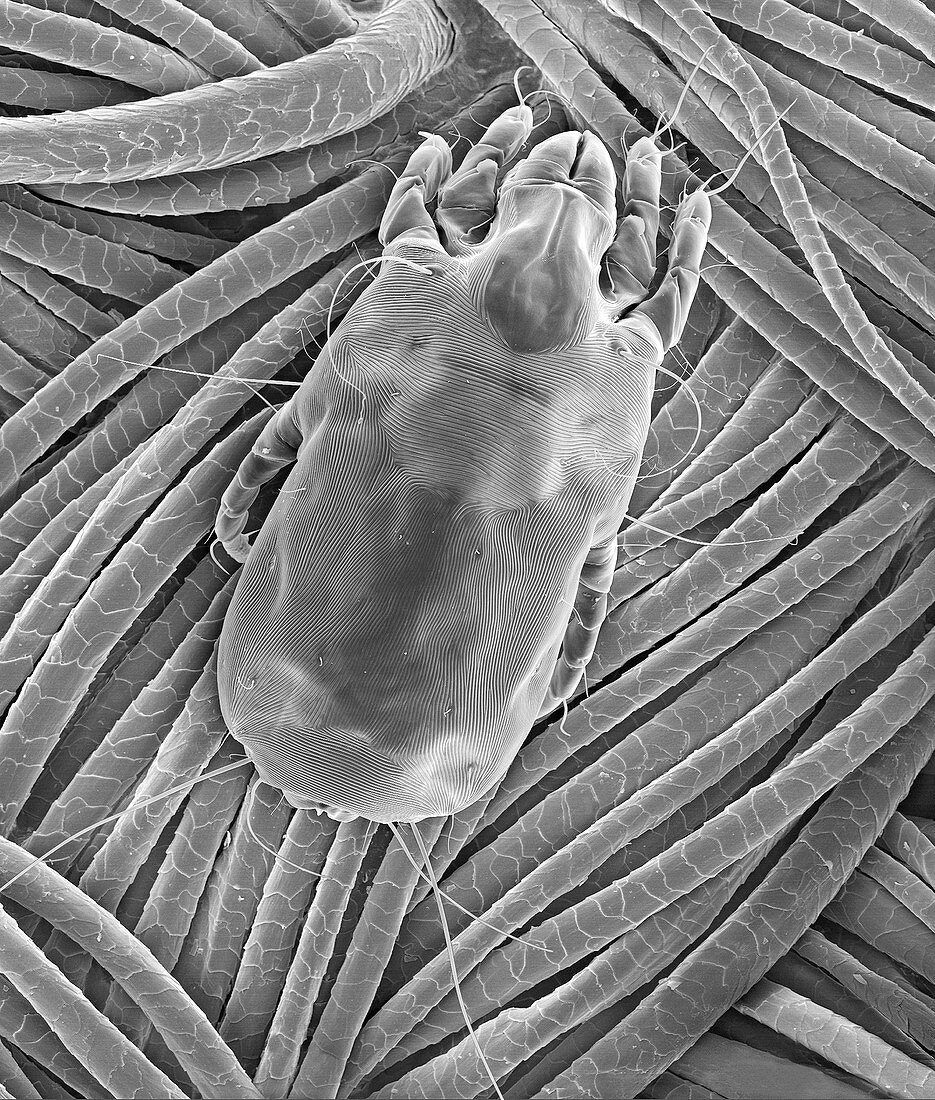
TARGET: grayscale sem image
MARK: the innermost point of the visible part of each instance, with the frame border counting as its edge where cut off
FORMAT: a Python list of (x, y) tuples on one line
[(467, 549)]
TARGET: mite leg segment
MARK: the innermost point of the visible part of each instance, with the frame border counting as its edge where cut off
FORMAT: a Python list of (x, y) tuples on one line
[(276, 446), (590, 608), (468, 201)]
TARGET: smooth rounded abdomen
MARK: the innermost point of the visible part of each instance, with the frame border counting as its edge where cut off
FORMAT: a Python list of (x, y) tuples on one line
[(388, 645)]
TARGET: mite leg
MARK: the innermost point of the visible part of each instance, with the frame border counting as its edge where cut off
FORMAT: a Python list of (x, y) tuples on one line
[(630, 262), (590, 608), (668, 308), (466, 203), (406, 217), (277, 446)]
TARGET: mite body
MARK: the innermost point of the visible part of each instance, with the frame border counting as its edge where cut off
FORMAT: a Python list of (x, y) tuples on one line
[(432, 576)]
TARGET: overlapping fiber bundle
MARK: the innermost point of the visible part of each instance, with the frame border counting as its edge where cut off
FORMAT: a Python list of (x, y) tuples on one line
[(715, 875)]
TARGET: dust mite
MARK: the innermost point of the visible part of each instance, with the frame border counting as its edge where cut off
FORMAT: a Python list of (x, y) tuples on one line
[(433, 575)]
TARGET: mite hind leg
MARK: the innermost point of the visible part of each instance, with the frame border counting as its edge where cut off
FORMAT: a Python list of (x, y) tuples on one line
[(584, 625), (276, 446)]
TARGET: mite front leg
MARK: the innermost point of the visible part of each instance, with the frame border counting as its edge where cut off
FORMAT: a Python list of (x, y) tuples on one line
[(406, 217), (467, 202), (668, 308), (277, 446), (630, 262)]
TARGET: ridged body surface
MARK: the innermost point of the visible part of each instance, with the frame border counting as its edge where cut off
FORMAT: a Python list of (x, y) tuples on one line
[(397, 622)]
